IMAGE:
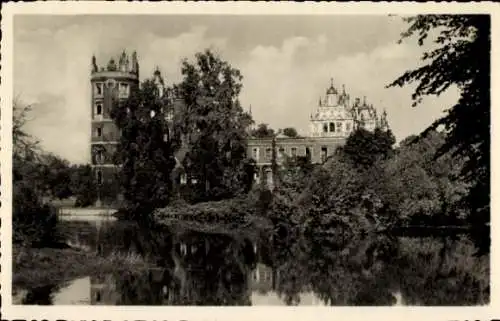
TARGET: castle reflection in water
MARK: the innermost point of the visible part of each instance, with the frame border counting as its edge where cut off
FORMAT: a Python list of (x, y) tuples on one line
[(262, 288)]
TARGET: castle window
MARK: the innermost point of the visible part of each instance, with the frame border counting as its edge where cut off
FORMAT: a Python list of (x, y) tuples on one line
[(255, 153), (99, 177), (324, 154), (332, 127), (100, 157), (98, 89), (325, 128), (124, 90), (347, 127), (98, 109), (308, 153), (294, 151), (339, 127), (268, 153), (98, 131)]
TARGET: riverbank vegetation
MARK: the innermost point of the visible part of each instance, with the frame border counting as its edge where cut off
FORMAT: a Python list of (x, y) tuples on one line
[(38, 267)]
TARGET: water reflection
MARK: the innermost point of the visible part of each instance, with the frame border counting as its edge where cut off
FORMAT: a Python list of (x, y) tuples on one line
[(212, 269)]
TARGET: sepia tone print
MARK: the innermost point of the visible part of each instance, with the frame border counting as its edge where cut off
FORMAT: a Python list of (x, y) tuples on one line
[(250, 160)]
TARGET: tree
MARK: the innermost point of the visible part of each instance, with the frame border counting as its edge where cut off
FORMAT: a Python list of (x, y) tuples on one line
[(363, 147), (262, 131), (462, 59), (145, 151), (290, 132), (213, 125), (82, 185), (56, 176), (32, 222)]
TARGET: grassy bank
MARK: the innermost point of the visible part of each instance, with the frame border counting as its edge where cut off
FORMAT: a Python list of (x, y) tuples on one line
[(34, 267)]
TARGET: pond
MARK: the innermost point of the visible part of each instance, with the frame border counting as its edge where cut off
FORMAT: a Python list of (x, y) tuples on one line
[(211, 269)]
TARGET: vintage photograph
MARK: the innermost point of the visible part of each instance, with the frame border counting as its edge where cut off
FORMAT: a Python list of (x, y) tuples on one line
[(250, 160)]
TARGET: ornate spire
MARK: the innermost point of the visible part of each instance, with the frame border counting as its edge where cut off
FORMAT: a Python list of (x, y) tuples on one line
[(331, 90), (135, 63), (122, 64), (94, 64), (122, 57)]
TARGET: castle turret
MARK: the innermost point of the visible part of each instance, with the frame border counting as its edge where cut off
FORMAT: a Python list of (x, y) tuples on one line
[(109, 85), (123, 63), (384, 124), (135, 64), (331, 96)]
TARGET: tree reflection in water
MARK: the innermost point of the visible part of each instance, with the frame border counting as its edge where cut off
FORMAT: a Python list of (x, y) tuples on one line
[(370, 271), (214, 269)]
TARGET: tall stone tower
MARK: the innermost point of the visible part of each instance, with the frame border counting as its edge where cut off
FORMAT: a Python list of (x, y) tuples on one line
[(109, 84)]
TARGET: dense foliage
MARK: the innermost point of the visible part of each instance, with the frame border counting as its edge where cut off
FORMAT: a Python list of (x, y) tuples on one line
[(290, 132), (370, 185), (262, 131), (33, 223), (461, 58), (213, 126), (363, 147), (145, 151)]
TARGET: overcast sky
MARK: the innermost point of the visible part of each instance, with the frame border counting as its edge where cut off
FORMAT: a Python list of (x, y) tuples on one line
[(286, 62)]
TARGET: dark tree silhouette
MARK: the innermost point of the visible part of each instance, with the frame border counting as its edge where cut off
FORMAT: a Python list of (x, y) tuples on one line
[(364, 147), (462, 58), (214, 126), (262, 131), (290, 132), (145, 150)]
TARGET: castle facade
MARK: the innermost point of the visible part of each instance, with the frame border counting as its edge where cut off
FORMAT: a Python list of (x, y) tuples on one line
[(331, 122)]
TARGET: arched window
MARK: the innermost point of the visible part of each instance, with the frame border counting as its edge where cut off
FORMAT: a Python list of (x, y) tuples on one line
[(325, 128), (332, 127)]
